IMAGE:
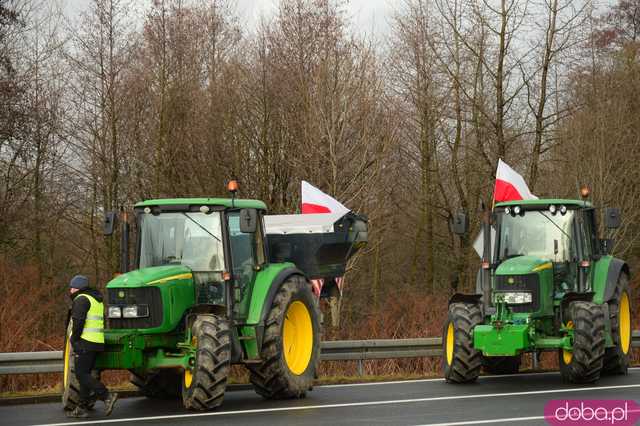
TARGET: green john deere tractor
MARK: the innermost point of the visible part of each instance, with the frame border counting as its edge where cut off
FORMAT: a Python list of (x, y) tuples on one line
[(547, 283), (209, 289)]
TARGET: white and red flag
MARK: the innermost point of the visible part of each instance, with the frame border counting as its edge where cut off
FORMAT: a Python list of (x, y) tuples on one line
[(510, 186), (316, 201)]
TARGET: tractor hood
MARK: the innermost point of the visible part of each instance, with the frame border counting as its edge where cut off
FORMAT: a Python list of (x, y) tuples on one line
[(152, 275), (523, 265)]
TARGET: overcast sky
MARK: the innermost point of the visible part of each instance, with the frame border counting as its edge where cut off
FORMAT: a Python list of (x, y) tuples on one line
[(368, 16)]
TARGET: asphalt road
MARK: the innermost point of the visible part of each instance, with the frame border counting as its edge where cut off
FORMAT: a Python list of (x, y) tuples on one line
[(500, 400)]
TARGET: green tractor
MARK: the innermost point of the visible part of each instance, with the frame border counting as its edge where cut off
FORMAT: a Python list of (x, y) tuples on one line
[(210, 288), (547, 283)]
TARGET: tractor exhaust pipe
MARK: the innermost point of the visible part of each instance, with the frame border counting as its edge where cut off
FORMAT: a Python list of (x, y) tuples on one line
[(124, 242), (486, 257)]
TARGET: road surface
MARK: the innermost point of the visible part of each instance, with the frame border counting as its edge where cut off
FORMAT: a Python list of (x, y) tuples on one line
[(496, 400)]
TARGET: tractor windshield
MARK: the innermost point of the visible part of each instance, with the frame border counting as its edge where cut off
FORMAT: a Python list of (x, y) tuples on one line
[(187, 238), (536, 233)]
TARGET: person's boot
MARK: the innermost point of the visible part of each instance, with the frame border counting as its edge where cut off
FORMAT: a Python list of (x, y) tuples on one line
[(109, 402), (78, 413)]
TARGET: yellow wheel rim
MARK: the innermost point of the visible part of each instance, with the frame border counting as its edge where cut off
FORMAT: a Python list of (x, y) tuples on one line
[(188, 375), (297, 337), (625, 322), (567, 356), (450, 343), (67, 355), (188, 378)]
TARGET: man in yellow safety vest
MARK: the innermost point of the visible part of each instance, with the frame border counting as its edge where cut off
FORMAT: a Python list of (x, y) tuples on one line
[(87, 339)]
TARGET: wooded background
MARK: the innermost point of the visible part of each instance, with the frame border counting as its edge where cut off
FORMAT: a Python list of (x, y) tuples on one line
[(134, 100)]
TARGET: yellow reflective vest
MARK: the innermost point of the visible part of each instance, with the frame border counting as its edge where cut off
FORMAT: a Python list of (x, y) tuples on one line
[(93, 330)]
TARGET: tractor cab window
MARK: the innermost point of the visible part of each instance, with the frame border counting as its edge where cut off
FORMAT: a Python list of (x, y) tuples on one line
[(247, 250), (187, 238), (537, 233), (589, 233)]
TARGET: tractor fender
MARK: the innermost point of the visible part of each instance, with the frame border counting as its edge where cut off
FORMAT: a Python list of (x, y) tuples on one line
[(465, 298), (280, 278), (616, 267), (275, 286)]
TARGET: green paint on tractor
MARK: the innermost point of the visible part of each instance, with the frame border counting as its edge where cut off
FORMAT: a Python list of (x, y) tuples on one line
[(550, 284)]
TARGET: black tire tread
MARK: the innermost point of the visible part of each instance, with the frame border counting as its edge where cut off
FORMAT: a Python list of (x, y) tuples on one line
[(615, 360), (467, 361), (588, 344), (213, 362), (271, 378), (71, 392)]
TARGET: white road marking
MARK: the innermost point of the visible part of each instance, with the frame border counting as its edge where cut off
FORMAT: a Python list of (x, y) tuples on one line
[(351, 404), (509, 420), (440, 379), (484, 422)]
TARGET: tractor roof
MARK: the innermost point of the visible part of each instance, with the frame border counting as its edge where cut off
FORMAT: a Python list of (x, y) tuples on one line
[(226, 202), (545, 202)]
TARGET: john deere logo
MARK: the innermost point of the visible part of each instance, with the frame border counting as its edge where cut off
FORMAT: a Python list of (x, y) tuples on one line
[(511, 280)]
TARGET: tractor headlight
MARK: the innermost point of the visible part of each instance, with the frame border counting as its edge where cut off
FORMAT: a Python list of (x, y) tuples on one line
[(135, 311), (516, 298), (517, 210), (553, 209), (114, 312)]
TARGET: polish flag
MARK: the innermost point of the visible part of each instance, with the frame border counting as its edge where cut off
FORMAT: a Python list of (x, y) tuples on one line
[(316, 201), (510, 186)]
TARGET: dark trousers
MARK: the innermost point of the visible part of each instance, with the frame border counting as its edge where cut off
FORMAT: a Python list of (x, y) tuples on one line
[(91, 389)]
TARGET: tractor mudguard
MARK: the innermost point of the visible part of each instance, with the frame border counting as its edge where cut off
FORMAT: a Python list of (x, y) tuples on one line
[(572, 297), (275, 286), (616, 267), (268, 300), (466, 298)]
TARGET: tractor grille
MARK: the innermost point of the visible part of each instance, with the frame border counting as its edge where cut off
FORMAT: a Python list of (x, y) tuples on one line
[(528, 283), (149, 296)]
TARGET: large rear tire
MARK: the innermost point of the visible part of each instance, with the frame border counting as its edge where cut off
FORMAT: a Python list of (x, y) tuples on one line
[(616, 359), (160, 384), (584, 363), (502, 364), (203, 386), (461, 362), (291, 347)]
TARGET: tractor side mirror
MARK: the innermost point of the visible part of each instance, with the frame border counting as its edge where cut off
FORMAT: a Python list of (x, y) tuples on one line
[(460, 223), (248, 221), (612, 218), (109, 225)]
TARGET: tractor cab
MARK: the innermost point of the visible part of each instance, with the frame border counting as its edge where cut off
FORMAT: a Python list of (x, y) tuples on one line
[(552, 241)]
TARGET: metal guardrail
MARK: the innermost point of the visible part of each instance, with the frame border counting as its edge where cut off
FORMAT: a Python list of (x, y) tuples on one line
[(337, 350)]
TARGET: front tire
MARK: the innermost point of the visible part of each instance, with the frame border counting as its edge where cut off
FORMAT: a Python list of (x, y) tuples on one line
[(584, 363), (291, 347), (461, 362), (203, 386), (71, 386), (616, 359)]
